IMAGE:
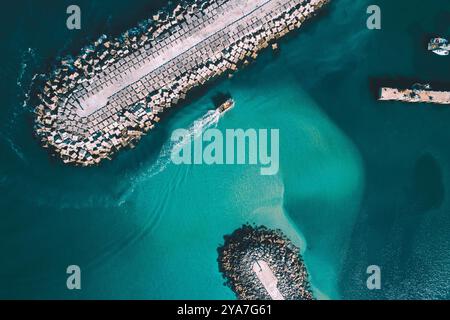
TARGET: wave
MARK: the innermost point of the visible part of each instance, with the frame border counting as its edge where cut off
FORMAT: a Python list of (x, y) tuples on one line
[(26, 77), (14, 147), (25, 80), (27, 56)]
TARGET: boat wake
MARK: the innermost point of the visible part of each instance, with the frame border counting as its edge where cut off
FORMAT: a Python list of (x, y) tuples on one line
[(208, 120)]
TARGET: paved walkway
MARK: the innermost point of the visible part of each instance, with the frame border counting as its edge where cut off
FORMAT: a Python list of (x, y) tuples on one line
[(239, 10), (268, 279), (429, 96)]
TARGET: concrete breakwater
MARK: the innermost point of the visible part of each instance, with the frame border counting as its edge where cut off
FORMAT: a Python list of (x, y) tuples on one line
[(262, 264), (109, 96), (415, 95)]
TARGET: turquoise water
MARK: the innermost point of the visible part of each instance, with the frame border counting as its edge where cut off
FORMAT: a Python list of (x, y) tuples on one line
[(360, 182)]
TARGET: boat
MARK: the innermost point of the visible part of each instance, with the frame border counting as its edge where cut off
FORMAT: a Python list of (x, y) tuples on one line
[(420, 86), (226, 106), (439, 46), (438, 41), (441, 52)]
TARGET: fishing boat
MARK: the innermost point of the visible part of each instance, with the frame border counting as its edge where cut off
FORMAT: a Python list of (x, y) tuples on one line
[(442, 52), (226, 106), (439, 46)]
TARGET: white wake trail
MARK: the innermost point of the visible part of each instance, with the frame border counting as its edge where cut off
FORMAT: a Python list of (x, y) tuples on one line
[(210, 119)]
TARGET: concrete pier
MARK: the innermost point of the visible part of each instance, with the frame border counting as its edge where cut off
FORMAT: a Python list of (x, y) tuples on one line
[(235, 12), (110, 95), (415, 96), (262, 264), (268, 279)]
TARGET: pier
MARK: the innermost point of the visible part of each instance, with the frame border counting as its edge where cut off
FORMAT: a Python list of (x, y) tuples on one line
[(109, 96), (262, 264), (268, 279), (415, 96)]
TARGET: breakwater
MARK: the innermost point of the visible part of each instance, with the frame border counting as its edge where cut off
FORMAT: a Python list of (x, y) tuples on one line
[(415, 95), (111, 95), (262, 264)]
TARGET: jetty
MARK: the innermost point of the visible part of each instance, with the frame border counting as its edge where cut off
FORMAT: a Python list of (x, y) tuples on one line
[(415, 95), (268, 279), (110, 95), (262, 264)]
